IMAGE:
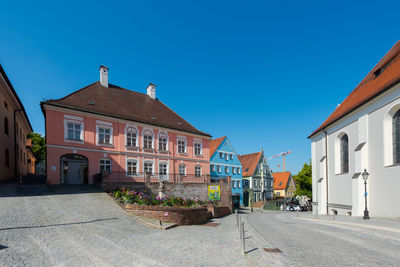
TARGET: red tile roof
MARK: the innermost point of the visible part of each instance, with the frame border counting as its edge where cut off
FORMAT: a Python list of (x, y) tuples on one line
[(118, 102), (280, 180), (381, 78), (249, 163), (214, 144)]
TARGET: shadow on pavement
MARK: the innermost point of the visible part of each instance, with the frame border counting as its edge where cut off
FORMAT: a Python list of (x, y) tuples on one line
[(55, 225), (16, 190)]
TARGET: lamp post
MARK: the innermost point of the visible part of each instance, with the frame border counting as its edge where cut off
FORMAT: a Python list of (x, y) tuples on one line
[(365, 175)]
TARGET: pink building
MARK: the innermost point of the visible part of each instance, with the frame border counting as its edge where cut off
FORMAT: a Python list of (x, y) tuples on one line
[(130, 134)]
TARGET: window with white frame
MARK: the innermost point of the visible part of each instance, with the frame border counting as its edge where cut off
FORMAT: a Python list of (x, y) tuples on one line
[(197, 148), (226, 169), (181, 146), (231, 157), (163, 168), (212, 167), (162, 141), (182, 170), (131, 167), (131, 137), (148, 167), (105, 165), (238, 184), (226, 156), (74, 131), (218, 168), (233, 170), (147, 140), (255, 183), (344, 153), (238, 170), (233, 184), (104, 135), (396, 137), (221, 155), (197, 171)]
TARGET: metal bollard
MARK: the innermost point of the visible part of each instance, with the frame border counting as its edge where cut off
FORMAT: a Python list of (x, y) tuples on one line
[(243, 240), (239, 229), (237, 219)]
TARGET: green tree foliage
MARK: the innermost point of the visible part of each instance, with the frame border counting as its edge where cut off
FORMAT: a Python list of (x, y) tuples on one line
[(38, 146), (304, 181)]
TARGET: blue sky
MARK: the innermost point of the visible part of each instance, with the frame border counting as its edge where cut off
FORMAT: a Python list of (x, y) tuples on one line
[(264, 73)]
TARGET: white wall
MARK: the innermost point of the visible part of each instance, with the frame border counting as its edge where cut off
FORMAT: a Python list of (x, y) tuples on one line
[(346, 193)]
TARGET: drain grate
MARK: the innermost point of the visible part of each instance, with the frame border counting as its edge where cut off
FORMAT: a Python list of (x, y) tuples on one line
[(272, 250), (212, 224)]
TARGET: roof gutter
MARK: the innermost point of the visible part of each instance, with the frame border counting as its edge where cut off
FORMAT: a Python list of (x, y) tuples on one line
[(326, 170)]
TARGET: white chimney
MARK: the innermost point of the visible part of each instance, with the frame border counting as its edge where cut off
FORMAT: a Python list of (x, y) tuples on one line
[(104, 76), (151, 91)]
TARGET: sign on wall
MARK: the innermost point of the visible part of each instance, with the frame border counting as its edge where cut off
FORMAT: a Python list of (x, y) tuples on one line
[(214, 192)]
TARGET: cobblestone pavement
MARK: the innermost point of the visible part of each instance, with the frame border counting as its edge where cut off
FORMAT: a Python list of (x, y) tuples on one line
[(307, 240), (71, 227)]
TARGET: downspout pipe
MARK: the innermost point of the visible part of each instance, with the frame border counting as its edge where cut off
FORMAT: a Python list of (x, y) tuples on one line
[(326, 171), (15, 144)]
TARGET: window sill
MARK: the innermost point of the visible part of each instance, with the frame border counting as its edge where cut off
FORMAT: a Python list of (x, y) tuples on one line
[(393, 165), (342, 173), (132, 148), (198, 156), (148, 150), (73, 141), (105, 144), (163, 151), (182, 154)]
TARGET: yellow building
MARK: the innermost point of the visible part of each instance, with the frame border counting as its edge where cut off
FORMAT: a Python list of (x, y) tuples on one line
[(16, 158), (284, 185)]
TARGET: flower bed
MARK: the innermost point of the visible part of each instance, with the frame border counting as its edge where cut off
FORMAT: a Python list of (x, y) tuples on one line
[(126, 196)]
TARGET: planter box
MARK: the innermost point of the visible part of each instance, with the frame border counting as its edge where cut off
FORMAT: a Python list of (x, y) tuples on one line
[(180, 216)]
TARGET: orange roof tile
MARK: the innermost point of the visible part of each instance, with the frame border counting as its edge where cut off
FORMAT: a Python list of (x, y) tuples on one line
[(214, 144), (280, 180), (381, 78), (249, 163)]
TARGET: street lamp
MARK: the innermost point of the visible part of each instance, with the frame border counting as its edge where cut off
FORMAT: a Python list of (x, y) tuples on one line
[(365, 175)]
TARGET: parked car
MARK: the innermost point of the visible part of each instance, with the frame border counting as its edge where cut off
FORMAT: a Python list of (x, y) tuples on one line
[(293, 208)]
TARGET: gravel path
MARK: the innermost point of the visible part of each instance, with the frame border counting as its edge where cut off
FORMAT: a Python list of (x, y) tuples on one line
[(82, 227)]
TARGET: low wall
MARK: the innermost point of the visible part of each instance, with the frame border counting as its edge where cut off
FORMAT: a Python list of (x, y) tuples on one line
[(180, 216), (218, 212), (184, 190)]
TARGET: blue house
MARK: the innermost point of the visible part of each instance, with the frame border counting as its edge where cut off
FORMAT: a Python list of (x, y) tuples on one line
[(223, 163)]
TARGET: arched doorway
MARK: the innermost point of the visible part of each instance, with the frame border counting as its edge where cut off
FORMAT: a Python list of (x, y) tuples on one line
[(246, 198), (74, 169)]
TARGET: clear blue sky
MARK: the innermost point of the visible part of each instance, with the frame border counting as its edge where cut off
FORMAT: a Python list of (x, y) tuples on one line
[(266, 74)]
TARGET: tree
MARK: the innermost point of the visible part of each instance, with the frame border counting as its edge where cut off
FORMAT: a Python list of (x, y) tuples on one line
[(38, 146), (304, 181)]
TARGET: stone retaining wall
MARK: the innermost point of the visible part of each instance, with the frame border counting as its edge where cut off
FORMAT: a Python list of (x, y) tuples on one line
[(180, 216), (218, 212)]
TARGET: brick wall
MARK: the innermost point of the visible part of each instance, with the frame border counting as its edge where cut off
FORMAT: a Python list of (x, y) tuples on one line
[(180, 216), (218, 212)]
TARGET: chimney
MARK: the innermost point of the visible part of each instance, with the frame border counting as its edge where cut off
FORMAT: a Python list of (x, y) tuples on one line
[(151, 91), (104, 76)]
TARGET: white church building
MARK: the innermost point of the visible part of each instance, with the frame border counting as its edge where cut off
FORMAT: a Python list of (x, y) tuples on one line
[(363, 133)]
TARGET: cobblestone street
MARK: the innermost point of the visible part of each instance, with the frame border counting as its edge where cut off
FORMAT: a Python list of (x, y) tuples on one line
[(88, 228)]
